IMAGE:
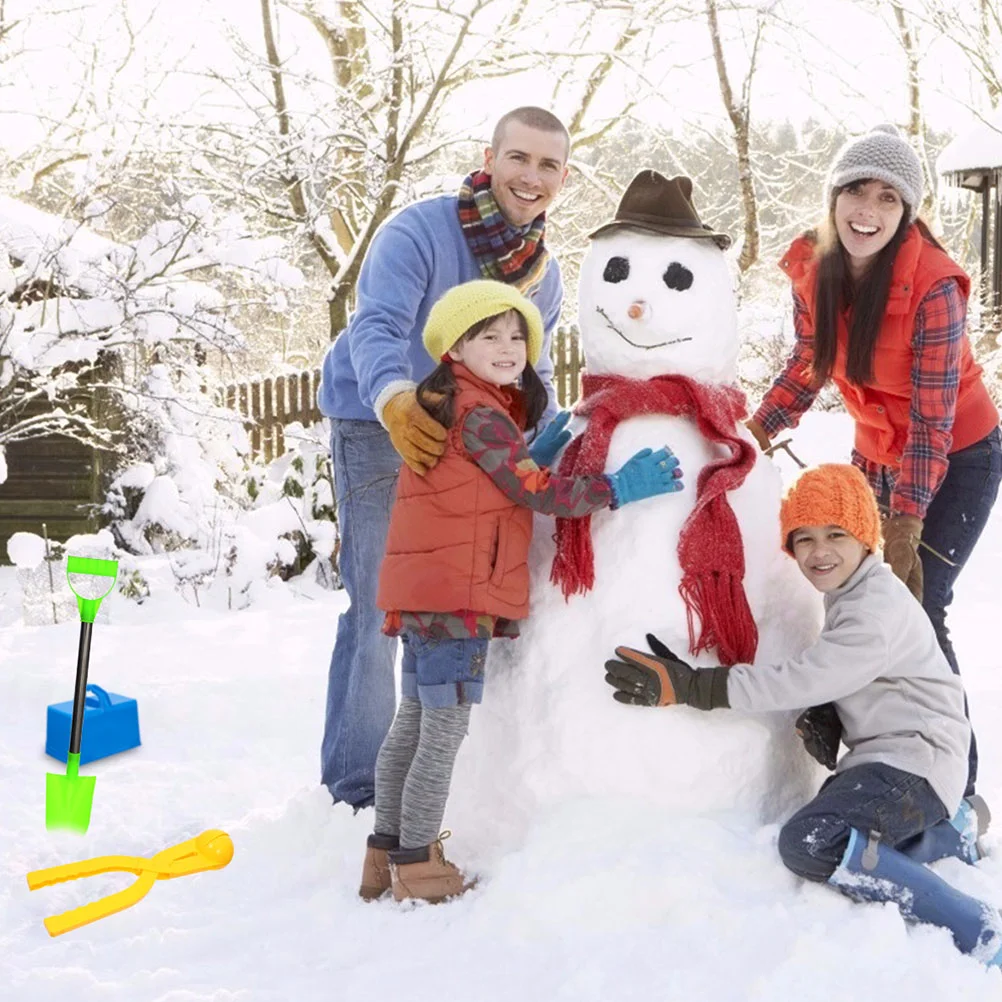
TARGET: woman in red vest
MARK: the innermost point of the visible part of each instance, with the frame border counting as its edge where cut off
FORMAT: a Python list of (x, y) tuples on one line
[(456, 569), (880, 309)]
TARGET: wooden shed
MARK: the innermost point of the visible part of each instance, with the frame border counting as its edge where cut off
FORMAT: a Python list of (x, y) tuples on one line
[(974, 161)]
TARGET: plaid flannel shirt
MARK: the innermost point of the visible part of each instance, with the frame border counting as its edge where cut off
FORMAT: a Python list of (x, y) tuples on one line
[(937, 340)]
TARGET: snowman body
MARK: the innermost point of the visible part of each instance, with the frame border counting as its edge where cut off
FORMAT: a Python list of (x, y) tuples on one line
[(549, 729)]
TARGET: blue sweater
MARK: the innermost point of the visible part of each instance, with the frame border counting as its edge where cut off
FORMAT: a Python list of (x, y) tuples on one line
[(417, 255)]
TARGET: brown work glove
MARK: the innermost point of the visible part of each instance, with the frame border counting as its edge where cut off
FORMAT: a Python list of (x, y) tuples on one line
[(758, 433), (901, 540), (414, 433)]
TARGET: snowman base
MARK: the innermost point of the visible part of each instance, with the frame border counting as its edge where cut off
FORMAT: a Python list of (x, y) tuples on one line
[(546, 736)]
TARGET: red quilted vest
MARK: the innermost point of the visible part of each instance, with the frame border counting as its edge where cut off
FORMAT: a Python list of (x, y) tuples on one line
[(455, 541), (881, 408)]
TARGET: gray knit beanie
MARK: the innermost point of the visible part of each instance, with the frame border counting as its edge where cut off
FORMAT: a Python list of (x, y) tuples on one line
[(883, 154)]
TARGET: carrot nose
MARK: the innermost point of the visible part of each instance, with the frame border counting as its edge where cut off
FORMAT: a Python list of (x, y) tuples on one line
[(637, 310)]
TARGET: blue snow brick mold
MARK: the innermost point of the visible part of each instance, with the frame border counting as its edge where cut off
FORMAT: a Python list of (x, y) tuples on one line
[(110, 725)]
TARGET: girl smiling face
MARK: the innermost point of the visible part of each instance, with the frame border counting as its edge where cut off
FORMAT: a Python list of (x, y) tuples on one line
[(867, 215), (497, 353)]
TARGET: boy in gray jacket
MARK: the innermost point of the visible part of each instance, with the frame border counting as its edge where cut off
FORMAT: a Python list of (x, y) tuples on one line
[(894, 802)]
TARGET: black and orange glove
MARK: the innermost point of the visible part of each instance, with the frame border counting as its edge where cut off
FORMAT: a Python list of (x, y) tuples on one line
[(662, 679), (901, 541), (414, 433), (820, 728)]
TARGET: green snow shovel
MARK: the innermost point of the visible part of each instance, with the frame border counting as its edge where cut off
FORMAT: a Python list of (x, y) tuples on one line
[(68, 798)]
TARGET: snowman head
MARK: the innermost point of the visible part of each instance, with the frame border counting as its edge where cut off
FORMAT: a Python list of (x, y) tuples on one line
[(653, 301)]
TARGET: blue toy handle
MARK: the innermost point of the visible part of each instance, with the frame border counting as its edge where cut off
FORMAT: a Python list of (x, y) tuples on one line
[(101, 699)]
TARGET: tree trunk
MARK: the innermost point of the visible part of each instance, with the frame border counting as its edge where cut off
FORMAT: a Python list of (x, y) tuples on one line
[(740, 116), (916, 126)]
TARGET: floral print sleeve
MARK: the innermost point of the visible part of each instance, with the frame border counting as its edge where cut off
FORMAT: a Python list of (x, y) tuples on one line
[(497, 447)]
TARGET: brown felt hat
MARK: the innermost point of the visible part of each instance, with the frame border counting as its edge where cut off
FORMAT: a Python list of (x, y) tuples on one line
[(663, 205)]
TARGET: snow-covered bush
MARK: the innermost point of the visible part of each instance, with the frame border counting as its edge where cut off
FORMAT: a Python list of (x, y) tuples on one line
[(225, 523), (83, 317)]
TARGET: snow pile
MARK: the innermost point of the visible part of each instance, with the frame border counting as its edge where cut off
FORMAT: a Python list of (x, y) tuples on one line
[(26, 550)]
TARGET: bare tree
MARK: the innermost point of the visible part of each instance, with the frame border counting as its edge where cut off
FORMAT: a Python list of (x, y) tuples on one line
[(739, 113)]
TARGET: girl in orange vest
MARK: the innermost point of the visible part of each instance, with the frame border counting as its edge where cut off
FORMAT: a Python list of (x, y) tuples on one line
[(456, 568), (880, 309)]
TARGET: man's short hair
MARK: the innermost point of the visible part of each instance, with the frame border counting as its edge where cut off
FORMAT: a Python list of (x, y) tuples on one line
[(533, 118)]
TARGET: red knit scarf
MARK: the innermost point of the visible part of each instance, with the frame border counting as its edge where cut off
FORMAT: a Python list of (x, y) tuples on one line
[(710, 548)]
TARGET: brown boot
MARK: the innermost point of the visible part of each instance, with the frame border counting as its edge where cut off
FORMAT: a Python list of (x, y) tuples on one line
[(426, 874), (376, 868)]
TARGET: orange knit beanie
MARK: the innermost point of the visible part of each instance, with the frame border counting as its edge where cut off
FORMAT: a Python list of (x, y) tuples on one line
[(831, 494)]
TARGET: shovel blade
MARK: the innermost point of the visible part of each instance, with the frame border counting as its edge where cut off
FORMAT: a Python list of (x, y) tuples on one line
[(68, 800)]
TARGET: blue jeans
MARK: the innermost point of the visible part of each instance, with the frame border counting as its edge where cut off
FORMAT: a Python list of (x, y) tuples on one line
[(953, 524), (873, 797), (443, 671), (360, 697)]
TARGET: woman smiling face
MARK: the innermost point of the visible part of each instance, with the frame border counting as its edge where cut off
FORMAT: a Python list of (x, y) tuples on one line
[(867, 215)]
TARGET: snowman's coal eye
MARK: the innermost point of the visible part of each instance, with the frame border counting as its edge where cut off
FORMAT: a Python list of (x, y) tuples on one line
[(617, 269), (678, 277)]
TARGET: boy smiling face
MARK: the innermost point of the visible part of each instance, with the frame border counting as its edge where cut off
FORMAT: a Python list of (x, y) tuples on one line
[(827, 555)]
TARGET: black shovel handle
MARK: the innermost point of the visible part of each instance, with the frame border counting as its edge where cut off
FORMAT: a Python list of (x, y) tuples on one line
[(80, 689)]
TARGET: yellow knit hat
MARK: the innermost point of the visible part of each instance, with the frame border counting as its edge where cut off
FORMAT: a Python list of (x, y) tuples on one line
[(831, 494), (467, 304)]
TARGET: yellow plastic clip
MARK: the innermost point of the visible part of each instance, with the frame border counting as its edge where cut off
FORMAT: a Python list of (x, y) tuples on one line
[(211, 850)]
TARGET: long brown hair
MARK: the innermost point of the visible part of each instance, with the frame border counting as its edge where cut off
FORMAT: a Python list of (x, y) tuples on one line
[(835, 291), (436, 393)]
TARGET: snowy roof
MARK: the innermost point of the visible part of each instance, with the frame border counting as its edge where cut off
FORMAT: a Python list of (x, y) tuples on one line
[(977, 150)]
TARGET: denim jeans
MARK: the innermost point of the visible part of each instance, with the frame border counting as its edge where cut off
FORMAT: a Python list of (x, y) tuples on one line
[(953, 524), (360, 695), (443, 671), (874, 797)]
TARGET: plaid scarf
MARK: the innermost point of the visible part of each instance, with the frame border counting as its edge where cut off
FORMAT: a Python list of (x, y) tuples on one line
[(503, 252)]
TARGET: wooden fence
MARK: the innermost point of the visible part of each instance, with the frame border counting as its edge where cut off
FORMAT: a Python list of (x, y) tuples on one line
[(271, 404), (268, 405)]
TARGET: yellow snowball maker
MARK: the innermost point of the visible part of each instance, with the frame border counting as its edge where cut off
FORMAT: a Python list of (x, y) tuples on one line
[(211, 850)]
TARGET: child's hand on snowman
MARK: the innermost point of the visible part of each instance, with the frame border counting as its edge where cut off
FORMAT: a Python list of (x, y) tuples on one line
[(662, 679), (551, 440), (645, 475)]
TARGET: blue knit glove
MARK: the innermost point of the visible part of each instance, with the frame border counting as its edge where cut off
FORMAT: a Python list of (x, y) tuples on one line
[(551, 440), (644, 475)]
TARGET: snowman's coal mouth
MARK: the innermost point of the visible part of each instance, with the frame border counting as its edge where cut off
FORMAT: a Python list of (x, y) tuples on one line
[(643, 347)]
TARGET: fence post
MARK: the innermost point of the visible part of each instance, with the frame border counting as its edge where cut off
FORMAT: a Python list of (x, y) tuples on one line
[(559, 355), (255, 414), (268, 423), (574, 369)]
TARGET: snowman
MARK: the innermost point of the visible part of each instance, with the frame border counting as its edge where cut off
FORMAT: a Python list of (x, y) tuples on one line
[(701, 569)]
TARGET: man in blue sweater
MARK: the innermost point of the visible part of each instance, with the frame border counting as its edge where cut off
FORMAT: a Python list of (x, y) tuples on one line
[(494, 228)]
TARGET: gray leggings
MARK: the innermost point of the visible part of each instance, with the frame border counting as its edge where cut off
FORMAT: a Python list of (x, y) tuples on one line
[(414, 770)]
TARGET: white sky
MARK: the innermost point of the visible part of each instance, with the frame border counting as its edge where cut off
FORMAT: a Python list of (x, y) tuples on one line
[(858, 77)]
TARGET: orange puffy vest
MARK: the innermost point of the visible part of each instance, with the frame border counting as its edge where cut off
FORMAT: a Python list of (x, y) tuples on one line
[(456, 542), (882, 408)]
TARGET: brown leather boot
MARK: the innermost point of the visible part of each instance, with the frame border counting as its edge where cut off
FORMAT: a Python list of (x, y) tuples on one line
[(376, 868), (426, 874)]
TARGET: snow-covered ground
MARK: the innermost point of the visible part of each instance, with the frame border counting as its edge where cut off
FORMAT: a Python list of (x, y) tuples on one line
[(603, 899)]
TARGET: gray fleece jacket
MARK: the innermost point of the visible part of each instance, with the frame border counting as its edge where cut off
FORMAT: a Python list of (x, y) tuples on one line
[(878, 660)]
